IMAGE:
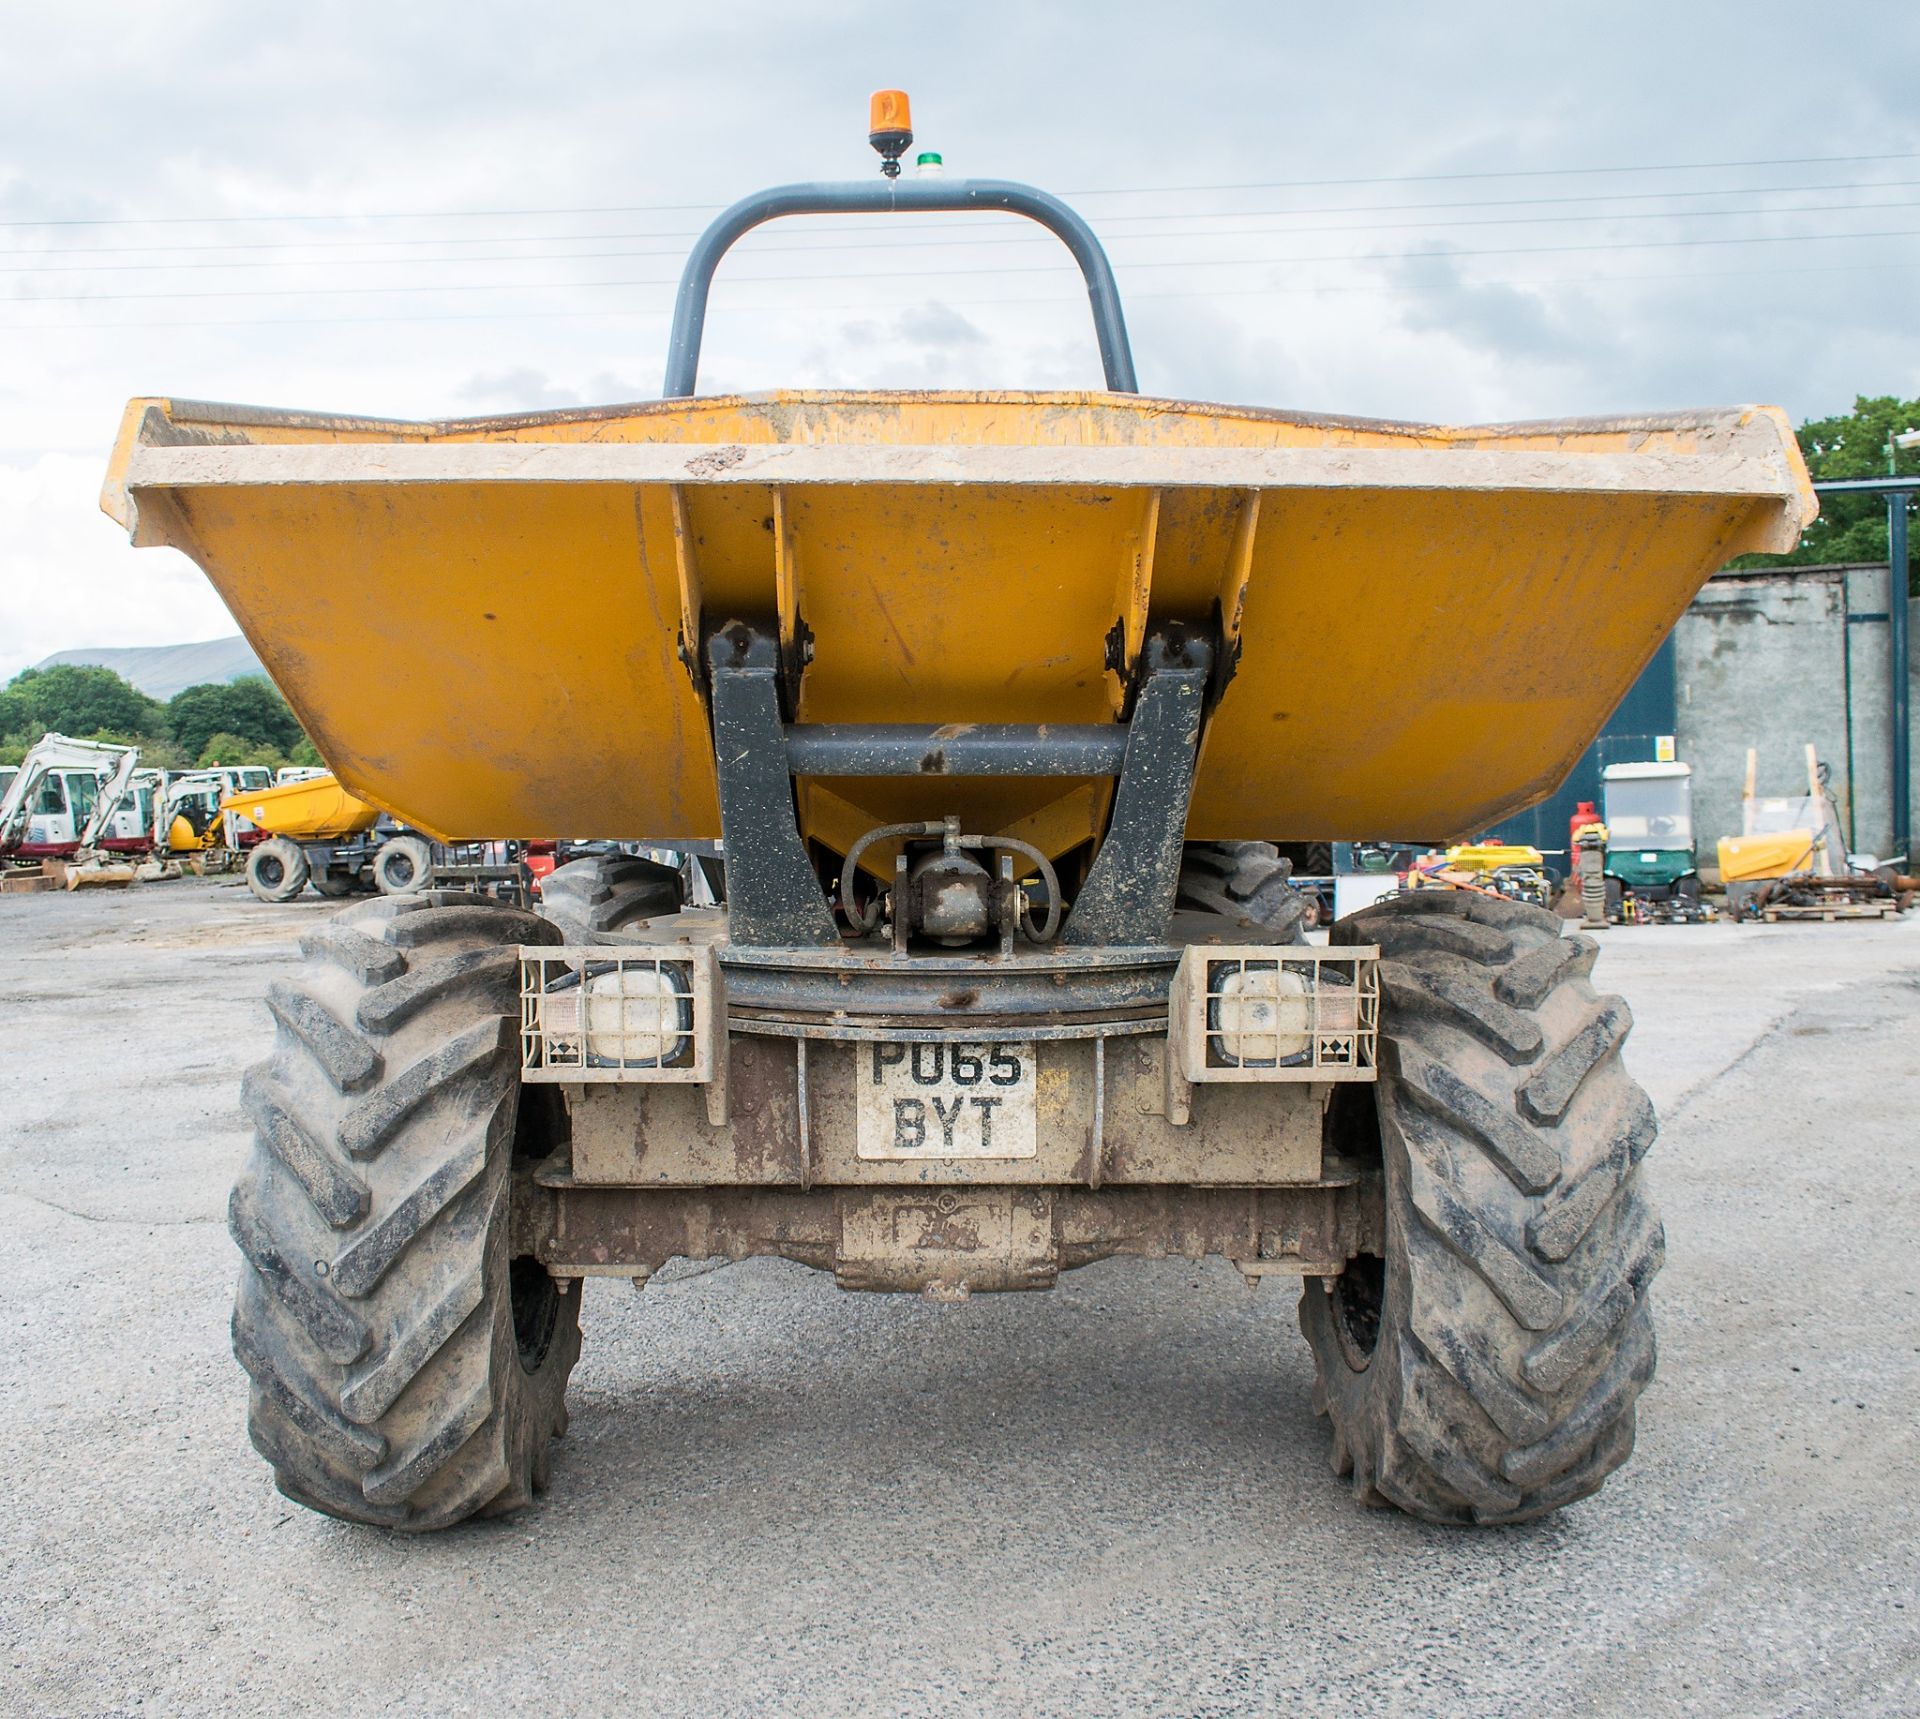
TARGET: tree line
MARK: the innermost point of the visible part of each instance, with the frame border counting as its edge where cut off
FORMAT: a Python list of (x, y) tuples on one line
[(1856, 444), (233, 722)]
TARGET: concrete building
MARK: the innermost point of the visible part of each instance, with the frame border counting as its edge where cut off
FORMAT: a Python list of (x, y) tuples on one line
[(1772, 658), (1778, 658)]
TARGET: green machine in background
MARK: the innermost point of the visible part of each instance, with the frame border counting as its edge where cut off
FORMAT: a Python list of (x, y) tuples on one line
[(1648, 811)]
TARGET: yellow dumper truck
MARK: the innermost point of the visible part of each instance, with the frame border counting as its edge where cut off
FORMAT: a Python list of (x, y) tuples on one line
[(319, 833), (307, 821), (985, 696)]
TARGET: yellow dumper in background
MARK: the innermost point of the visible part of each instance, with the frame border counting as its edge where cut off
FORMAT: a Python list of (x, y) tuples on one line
[(987, 694), (315, 810), (311, 824)]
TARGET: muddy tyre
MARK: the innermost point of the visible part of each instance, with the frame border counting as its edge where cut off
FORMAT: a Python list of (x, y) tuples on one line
[(603, 899), (403, 865), (407, 1369), (277, 869), (333, 884), (1249, 882), (1486, 1368)]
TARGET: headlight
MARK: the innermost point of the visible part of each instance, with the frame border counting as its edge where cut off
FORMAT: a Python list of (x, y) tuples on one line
[(1258, 1016), (1257, 1012), (638, 1017), (631, 1013)]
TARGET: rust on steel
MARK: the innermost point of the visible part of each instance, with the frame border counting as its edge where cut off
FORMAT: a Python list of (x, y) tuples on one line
[(990, 1236)]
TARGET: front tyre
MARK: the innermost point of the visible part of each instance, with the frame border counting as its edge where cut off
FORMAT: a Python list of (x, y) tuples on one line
[(403, 865), (407, 1369), (277, 870), (1484, 1368)]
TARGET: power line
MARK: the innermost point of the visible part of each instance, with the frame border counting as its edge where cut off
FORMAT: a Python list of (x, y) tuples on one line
[(1021, 239), (1296, 289), (1505, 173), (1108, 221), (1011, 269), (1111, 191), (897, 225)]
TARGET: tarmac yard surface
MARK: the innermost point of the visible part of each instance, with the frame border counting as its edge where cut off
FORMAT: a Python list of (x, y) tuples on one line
[(780, 1498)]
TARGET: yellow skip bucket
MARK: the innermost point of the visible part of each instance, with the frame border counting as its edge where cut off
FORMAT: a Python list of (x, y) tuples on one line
[(312, 811), (487, 626)]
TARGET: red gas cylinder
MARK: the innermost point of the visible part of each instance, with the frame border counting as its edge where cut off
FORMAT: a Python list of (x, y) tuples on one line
[(539, 862)]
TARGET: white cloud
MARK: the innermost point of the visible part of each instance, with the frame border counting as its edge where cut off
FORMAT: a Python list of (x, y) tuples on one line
[(68, 576)]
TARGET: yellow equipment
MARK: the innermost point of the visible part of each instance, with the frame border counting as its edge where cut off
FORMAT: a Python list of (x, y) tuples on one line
[(316, 810), (956, 558), (188, 817), (1744, 859), (1506, 869), (993, 699), (183, 839), (1492, 856), (1784, 834)]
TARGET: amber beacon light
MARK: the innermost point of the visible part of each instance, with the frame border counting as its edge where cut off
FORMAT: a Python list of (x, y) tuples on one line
[(890, 128)]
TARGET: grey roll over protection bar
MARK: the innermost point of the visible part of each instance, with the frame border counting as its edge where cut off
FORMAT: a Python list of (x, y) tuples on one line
[(892, 196)]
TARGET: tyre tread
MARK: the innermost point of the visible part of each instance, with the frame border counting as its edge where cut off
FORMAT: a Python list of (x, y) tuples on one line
[(1508, 1385), (597, 899), (371, 1221), (1247, 882)]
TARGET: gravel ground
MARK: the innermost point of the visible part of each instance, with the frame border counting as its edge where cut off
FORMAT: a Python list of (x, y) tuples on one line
[(778, 1498)]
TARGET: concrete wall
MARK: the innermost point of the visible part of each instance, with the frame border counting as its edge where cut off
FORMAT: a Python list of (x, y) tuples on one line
[(1769, 659)]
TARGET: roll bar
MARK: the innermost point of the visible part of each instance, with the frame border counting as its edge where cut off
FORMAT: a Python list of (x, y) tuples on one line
[(892, 196)]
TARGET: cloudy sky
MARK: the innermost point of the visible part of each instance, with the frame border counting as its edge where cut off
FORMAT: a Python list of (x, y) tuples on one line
[(1461, 212)]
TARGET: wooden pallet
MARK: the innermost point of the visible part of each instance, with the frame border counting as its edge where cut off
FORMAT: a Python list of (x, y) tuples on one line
[(1832, 911)]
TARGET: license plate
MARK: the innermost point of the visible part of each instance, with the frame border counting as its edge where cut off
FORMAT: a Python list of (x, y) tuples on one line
[(946, 1100)]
